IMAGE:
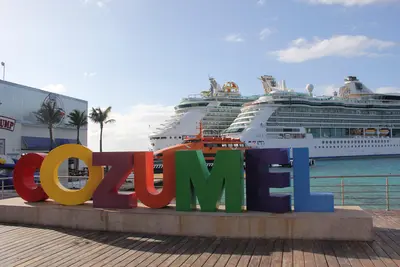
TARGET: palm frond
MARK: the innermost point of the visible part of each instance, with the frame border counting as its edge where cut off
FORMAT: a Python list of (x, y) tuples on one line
[(97, 115), (77, 118), (110, 121)]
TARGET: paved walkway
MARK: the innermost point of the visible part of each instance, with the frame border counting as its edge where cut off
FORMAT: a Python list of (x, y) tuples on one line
[(33, 246)]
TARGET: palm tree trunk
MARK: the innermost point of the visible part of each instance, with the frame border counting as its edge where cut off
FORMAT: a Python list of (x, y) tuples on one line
[(51, 137), (77, 136), (77, 142), (101, 138)]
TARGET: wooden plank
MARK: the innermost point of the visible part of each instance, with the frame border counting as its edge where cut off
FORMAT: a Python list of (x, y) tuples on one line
[(55, 250), (259, 249), (319, 255), (98, 251), (161, 260), (159, 250), (277, 253), (247, 253), (7, 228), (309, 259), (26, 249), (207, 253), (373, 248), (237, 253), (229, 249), (176, 259), (330, 256), (128, 253), (39, 246), (380, 244), (354, 261), (198, 251), (340, 254), (266, 258), (77, 254), (362, 256), (19, 237), (298, 254), (34, 246), (138, 251), (184, 255), (287, 257)]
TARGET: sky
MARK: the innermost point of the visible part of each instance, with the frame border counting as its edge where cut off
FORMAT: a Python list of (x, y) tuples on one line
[(142, 56)]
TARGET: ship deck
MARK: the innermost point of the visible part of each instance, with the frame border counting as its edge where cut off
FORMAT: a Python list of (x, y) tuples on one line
[(38, 246)]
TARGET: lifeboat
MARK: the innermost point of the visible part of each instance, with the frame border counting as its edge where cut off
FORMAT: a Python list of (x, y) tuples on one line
[(370, 131), (384, 132)]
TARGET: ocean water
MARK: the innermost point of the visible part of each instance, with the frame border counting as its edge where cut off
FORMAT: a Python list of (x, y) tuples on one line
[(367, 190)]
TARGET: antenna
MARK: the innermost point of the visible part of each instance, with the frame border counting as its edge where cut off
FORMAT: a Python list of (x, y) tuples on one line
[(200, 128)]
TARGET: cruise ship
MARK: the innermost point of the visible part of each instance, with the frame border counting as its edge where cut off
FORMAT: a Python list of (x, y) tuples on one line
[(215, 108), (352, 122)]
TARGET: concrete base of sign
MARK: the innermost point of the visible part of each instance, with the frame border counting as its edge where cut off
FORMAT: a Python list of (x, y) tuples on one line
[(346, 223)]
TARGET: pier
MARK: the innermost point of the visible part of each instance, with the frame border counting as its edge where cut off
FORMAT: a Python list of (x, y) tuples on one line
[(24, 245), (56, 246)]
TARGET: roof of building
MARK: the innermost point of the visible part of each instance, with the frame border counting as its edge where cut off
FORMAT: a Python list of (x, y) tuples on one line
[(40, 90)]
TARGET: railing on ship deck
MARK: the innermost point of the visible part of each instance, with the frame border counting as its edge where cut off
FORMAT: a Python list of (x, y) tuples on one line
[(367, 191)]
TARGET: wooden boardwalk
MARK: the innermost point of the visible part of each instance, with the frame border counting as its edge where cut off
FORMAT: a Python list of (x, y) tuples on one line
[(34, 246)]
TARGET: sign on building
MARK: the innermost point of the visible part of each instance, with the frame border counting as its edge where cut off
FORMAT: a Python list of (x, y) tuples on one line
[(2, 146), (7, 123)]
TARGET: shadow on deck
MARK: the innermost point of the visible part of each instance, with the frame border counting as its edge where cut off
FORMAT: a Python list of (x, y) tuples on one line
[(35, 246)]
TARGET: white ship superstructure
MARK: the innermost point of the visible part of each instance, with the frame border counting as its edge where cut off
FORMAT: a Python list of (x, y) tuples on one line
[(354, 122), (216, 108)]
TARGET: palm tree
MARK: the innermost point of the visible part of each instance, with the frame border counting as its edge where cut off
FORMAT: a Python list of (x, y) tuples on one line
[(77, 119), (97, 115), (50, 115)]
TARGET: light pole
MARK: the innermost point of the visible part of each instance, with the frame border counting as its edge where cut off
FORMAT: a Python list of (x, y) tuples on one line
[(4, 70)]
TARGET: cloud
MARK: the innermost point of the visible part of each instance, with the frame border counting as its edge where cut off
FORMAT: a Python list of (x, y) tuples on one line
[(261, 2), (234, 38), (328, 89), (301, 50), (55, 88), (388, 90), (98, 3), (131, 130), (266, 32), (349, 2), (89, 74)]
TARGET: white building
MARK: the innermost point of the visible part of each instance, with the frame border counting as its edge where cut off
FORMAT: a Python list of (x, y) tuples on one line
[(21, 132)]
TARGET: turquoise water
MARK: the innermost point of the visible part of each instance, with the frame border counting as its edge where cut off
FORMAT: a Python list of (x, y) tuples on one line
[(369, 193)]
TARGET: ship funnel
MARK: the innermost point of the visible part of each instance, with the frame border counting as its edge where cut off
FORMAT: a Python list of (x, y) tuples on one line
[(284, 85)]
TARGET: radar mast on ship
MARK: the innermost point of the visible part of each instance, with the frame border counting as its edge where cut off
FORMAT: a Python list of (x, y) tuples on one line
[(229, 88), (269, 83)]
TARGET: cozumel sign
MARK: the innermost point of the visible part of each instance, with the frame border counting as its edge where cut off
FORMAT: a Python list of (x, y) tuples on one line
[(185, 177), (7, 123)]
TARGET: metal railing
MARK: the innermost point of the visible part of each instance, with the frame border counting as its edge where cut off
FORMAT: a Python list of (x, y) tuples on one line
[(368, 191)]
